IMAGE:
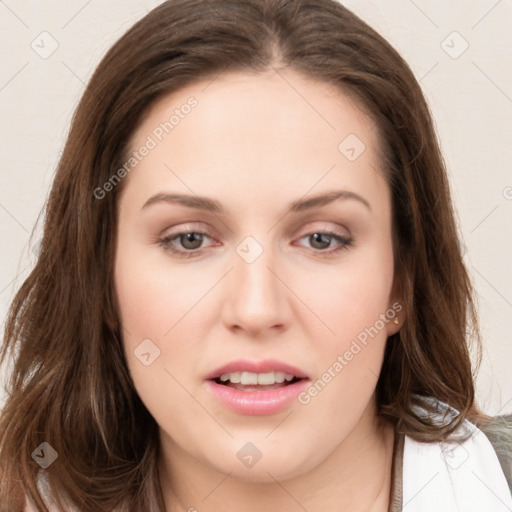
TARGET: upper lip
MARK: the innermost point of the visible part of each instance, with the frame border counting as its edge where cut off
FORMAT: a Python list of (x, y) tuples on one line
[(265, 366)]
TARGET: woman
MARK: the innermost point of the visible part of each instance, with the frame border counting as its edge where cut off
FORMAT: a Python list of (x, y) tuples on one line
[(250, 293)]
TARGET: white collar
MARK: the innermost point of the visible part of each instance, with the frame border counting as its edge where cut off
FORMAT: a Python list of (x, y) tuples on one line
[(463, 476)]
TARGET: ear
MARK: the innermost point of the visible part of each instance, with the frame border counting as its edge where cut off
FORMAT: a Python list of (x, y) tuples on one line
[(111, 323), (111, 309), (396, 308)]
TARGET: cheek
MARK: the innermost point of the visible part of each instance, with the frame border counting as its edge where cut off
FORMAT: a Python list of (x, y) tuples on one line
[(353, 303), (166, 304), (349, 296), (152, 297), (153, 307)]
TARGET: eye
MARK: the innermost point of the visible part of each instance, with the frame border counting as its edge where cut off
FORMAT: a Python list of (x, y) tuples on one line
[(321, 240), (190, 241)]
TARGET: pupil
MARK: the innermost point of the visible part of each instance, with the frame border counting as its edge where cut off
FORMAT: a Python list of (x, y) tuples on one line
[(317, 238), (189, 237)]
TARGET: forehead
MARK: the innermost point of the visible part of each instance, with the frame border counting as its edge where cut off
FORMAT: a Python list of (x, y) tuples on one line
[(282, 102), (275, 130)]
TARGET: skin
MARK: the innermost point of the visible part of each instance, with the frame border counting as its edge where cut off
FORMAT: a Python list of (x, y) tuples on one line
[(257, 142)]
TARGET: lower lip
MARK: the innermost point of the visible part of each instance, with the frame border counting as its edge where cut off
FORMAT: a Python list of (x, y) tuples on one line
[(256, 403)]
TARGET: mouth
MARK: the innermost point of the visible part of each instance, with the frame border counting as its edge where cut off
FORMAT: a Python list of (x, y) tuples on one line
[(256, 388), (249, 381)]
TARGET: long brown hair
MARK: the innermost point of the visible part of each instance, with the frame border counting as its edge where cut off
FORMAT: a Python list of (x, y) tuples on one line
[(70, 385)]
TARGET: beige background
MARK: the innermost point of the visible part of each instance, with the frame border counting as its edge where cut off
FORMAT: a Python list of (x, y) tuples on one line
[(470, 94)]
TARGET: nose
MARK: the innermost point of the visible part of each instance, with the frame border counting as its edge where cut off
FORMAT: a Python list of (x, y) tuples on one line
[(256, 294)]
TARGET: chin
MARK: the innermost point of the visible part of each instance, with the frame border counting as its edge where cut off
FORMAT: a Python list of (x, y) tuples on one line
[(269, 468)]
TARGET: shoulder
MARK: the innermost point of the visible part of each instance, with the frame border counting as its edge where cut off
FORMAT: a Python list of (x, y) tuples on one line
[(465, 472), (499, 428), (499, 432)]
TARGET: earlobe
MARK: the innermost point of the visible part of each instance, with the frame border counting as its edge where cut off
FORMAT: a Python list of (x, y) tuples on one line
[(396, 322), (111, 319), (398, 308), (112, 324), (111, 311)]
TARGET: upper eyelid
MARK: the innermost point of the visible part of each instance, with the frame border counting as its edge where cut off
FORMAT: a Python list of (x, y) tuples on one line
[(193, 227), (187, 229)]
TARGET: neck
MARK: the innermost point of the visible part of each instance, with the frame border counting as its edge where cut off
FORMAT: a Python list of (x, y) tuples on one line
[(355, 476)]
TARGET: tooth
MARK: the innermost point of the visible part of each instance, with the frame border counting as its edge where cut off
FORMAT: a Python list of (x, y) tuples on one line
[(235, 377), (248, 378), (266, 379), (262, 379), (279, 377)]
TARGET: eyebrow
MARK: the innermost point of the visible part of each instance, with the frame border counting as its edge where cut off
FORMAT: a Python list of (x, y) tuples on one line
[(214, 206)]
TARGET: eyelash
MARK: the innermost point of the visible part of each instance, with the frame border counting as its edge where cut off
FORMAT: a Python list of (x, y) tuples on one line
[(344, 242)]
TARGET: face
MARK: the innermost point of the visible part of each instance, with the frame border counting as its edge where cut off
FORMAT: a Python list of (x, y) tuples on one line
[(263, 271)]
